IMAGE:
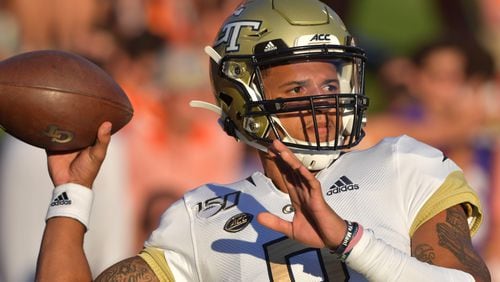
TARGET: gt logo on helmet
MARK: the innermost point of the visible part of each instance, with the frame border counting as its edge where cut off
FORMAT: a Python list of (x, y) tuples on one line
[(231, 31)]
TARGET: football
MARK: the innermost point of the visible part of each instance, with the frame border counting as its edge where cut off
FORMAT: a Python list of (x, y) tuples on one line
[(56, 100)]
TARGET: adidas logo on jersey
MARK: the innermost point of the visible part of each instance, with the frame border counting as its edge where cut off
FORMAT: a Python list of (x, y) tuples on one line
[(342, 185), (62, 199)]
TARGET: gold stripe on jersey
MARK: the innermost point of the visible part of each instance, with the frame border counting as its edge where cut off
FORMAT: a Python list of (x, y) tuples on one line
[(454, 190), (156, 260)]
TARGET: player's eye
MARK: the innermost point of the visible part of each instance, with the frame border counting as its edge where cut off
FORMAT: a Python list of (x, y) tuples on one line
[(332, 88), (297, 90)]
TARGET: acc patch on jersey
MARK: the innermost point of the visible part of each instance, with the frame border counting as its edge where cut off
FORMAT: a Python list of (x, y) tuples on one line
[(238, 222)]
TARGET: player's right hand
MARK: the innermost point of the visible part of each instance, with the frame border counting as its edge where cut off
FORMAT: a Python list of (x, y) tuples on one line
[(314, 222), (82, 166)]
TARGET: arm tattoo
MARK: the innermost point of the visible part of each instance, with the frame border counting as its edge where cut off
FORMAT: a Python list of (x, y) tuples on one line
[(131, 269), (425, 253), (454, 236)]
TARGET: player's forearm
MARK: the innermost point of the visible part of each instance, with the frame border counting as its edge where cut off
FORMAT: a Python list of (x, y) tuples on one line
[(61, 255), (379, 261)]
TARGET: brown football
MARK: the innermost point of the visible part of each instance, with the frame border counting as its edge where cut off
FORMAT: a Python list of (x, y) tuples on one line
[(56, 100)]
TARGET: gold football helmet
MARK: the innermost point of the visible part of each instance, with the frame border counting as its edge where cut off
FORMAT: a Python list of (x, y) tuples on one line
[(262, 34)]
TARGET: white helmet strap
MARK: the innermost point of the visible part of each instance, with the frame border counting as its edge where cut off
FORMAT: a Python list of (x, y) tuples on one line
[(311, 159)]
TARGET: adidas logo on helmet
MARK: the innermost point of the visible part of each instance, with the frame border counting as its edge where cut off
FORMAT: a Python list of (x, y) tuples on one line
[(270, 47)]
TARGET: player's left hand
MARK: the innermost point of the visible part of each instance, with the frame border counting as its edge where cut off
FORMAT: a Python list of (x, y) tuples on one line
[(314, 222), (80, 167)]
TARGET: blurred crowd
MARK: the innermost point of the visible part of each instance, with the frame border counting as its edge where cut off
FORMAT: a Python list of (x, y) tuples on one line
[(445, 92)]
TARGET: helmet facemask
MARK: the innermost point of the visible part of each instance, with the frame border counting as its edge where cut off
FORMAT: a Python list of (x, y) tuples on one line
[(331, 113)]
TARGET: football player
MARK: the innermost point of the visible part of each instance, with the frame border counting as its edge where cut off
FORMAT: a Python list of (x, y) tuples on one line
[(289, 81)]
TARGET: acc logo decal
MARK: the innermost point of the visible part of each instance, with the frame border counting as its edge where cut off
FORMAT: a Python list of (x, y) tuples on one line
[(321, 37), (238, 222), (317, 39), (58, 136), (231, 31)]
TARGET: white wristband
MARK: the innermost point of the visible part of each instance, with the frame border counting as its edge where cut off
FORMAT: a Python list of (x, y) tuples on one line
[(71, 200)]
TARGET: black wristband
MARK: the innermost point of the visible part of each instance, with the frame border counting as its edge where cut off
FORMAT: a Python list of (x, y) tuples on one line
[(352, 228)]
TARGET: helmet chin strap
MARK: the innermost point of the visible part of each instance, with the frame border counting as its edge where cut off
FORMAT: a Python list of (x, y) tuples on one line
[(314, 161), (311, 159)]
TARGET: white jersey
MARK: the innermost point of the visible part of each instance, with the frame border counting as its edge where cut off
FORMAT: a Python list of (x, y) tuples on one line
[(212, 233)]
